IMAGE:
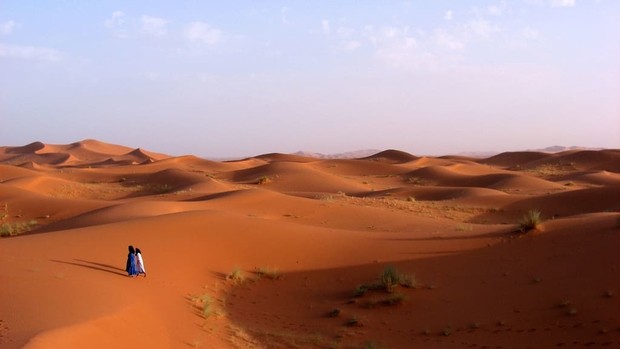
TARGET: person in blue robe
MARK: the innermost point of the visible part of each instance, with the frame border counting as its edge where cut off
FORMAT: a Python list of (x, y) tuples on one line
[(131, 262)]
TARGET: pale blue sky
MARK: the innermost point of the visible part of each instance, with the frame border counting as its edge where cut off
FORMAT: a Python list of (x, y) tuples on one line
[(237, 78)]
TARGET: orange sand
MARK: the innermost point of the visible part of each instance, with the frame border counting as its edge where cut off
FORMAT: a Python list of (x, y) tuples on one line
[(322, 228)]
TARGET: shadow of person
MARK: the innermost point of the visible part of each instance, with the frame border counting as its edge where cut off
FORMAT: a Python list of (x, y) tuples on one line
[(95, 266)]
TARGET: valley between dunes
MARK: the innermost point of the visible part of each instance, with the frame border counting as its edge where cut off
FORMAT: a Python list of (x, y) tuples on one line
[(285, 251)]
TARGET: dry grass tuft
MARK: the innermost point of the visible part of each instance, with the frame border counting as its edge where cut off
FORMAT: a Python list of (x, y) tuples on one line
[(530, 221)]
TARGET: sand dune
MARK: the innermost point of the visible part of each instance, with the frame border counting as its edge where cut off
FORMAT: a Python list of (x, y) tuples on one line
[(269, 251), (392, 156), (515, 159)]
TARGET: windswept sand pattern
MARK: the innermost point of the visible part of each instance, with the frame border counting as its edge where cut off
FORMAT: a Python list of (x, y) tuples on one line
[(285, 251)]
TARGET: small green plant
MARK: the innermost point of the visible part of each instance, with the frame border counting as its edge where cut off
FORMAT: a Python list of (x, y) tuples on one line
[(530, 221), (389, 278)]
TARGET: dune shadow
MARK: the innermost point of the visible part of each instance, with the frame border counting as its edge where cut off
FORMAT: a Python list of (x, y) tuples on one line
[(93, 265), (219, 275), (496, 234)]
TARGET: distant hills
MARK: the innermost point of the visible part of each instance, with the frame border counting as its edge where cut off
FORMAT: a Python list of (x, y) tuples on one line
[(347, 155), (474, 154)]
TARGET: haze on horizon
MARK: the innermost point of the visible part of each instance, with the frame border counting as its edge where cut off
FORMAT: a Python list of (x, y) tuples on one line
[(243, 78)]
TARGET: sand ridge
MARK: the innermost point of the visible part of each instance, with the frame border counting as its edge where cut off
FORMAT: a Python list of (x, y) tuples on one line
[(268, 251)]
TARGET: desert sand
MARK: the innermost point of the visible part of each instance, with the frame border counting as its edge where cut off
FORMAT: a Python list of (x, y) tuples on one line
[(286, 251)]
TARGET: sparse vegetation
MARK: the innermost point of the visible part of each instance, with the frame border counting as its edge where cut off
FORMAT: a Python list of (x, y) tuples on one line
[(263, 180), (160, 188), (417, 181), (393, 299), (236, 276), (446, 331), (205, 304), (360, 290), (353, 321), (392, 277), (388, 280), (4, 213), (12, 229), (269, 273), (334, 312), (564, 303), (530, 221), (464, 227), (373, 345), (474, 325)]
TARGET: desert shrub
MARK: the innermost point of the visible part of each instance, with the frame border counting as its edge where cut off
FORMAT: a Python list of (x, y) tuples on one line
[(360, 290), (392, 277), (407, 280), (530, 221), (263, 180), (6, 230), (236, 276), (389, 278)]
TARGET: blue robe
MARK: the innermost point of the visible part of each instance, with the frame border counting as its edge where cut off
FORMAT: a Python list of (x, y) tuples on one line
[(131, 265)]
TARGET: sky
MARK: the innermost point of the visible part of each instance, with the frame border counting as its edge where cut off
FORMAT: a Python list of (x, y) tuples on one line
[(241, 78)]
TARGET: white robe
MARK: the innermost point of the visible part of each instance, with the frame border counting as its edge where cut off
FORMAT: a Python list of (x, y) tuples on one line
[(140, 263)]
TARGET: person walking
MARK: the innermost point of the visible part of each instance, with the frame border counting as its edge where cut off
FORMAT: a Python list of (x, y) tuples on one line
[(131, 262), (139, 263)]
